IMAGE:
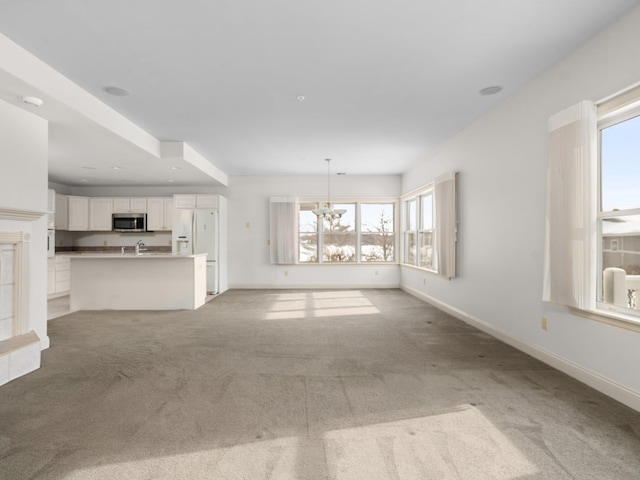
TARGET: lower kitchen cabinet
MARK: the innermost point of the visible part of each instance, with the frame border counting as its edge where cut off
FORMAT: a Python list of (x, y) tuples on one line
[(58, 275), (51, 276)]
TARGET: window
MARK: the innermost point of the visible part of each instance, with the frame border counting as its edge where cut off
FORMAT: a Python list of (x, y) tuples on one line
[(619, 211), (365, 233), (410, 235), (377, 238), (420, 230), (430, 226), (426, 231), (592, 248), (339, 235)]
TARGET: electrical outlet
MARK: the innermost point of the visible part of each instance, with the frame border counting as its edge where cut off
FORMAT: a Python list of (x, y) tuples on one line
[(247, 225), (424, 281), (376, 272), (268, 242), (286, 273), (105, 243), (544, 323)]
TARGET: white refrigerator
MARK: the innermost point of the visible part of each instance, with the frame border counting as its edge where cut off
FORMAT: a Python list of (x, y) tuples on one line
[(199, 228)]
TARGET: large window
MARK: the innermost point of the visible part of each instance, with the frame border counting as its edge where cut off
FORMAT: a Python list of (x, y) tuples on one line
[(419, 229), (619, 212), (364, 233)]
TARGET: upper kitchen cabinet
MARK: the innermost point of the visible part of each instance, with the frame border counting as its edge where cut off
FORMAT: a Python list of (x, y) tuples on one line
[(100, 213), (78, 213), (159, 213), (196, 201), (62, 212), (130, 205)]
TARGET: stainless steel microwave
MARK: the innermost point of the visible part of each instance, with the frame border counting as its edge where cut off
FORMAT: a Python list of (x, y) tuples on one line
[(129, 222)]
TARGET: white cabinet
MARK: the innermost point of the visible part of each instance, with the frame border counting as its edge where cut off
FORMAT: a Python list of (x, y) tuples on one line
[(100, 213), (62, 212), (159, 213), (63, 274), (78, 213), (196, 201), (184, 201), (206, 201), (168, 213), (130, 205), (51, 209), (121, 205), (51, 276), (58, 275)]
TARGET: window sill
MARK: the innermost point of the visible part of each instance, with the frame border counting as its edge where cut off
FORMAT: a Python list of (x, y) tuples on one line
[(416, 267), (348, 264), (615, 319)]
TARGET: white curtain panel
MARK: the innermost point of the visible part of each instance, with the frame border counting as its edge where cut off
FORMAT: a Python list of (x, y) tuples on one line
[(444, 190), (570, 257), (283, 229)]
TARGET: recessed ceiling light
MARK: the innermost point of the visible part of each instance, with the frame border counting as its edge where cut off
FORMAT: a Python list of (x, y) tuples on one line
[(117, 168), (300, 98), (170, 181), (116, 91), (492, 90), (35, 101), (175, 168)]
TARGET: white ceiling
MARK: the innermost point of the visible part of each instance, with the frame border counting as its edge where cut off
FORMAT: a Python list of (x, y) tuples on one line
[(385, 82)]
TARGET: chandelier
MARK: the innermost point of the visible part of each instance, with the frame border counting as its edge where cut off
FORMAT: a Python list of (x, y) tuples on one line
[(327, 212)]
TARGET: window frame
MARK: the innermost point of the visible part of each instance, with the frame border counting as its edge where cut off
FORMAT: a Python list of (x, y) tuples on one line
[(358, 202), (610, 118), (417, 196)]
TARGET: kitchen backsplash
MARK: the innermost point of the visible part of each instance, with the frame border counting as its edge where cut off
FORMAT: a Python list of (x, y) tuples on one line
[(111, 239)]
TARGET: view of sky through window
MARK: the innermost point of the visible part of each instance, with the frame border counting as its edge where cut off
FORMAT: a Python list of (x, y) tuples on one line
[(620, 166)]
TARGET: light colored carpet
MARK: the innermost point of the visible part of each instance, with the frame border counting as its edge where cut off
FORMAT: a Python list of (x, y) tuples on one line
[(350, 384)]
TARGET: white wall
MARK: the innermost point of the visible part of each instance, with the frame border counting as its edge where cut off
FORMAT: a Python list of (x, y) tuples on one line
[(249, 265), (502, 160), (23, 186)]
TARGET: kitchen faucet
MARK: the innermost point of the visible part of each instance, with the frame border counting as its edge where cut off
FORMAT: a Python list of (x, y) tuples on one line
[(138, 245)]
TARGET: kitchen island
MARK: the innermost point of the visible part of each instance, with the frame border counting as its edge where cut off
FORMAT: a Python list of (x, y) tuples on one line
[(138, 282)]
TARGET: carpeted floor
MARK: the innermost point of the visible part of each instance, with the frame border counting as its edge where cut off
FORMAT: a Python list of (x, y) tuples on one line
[(351, 384)]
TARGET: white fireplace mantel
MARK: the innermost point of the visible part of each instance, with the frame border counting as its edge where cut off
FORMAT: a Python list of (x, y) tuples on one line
[(16, 214), (20, 353)]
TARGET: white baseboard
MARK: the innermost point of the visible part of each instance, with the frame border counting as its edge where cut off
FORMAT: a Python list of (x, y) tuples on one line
[(602, 384), (258, 286)]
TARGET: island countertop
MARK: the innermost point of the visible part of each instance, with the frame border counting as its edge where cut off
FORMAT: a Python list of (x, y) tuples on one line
[(129, 255)]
